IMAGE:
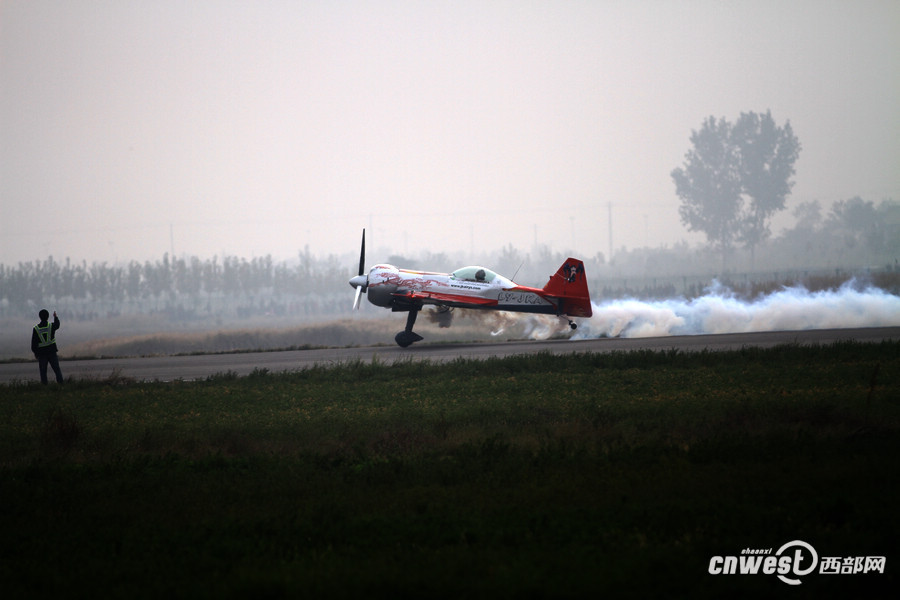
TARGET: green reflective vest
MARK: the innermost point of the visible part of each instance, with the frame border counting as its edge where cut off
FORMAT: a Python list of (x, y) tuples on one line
[(45, 335)]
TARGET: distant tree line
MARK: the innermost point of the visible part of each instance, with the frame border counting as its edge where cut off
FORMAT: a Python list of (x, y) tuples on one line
[(179, 286), (853, 234), (853, 227)]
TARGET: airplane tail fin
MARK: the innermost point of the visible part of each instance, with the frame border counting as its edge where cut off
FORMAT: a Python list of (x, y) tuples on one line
[(569, 284)]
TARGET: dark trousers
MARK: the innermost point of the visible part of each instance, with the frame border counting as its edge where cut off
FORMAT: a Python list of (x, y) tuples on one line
[(53, 361)]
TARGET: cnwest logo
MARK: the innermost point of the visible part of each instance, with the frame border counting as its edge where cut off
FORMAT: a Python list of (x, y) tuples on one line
[(790, 562)]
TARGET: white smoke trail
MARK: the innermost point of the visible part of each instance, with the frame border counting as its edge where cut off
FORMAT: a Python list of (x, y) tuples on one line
[(719, 311)]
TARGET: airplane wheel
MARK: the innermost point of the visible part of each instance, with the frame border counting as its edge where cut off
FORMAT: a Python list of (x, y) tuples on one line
[(573, 325), (405, 338)]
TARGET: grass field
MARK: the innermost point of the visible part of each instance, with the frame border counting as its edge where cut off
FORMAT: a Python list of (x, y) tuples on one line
[(543, 476)]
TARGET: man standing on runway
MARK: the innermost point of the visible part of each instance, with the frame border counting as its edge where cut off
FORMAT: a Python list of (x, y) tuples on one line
[(43, 345)]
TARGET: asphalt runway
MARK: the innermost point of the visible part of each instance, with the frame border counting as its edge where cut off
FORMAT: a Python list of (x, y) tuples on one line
[(186, 368)]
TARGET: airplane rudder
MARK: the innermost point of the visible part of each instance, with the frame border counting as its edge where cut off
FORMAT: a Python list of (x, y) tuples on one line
[(569, 280)]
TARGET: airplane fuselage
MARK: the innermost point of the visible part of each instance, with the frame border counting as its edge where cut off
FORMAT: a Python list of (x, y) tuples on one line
[(469, 287)]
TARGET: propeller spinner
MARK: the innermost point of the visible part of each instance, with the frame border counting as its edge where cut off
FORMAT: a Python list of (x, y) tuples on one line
[(361, 281)]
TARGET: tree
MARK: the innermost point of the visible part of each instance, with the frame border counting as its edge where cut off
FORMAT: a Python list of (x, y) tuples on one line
[(734, 179), (854, 221), (767, 156), (808, 215), (709, 185)]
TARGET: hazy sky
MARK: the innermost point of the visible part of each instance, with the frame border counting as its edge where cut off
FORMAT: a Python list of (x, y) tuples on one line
[(128, 128)]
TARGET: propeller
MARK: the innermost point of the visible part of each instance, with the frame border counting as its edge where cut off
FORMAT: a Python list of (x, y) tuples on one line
[(360, 282)]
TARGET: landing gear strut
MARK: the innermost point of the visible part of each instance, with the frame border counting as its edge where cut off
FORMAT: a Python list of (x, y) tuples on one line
[(408, 336)]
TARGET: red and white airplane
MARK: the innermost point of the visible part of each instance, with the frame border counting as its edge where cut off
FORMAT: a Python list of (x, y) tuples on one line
[(566, 294)]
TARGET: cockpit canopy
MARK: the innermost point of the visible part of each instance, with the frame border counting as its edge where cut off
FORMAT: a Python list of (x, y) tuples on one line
[(479, 274)]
